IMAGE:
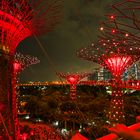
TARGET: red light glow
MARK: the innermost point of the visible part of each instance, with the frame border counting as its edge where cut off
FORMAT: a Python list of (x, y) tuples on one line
[(17, 67), (113, 31), (23, 61), (117, 64), (73, 79), (19, 20), (112, 17)]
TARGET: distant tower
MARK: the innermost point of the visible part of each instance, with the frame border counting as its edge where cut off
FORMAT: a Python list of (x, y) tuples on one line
[(73, 79), (19, 19)]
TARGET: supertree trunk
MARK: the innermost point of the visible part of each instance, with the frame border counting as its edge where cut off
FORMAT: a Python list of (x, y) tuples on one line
[(14, 105), (116, 111), (73, 90), (7, 126)]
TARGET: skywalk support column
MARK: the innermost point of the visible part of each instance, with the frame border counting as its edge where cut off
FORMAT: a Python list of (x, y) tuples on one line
[(116, 111)]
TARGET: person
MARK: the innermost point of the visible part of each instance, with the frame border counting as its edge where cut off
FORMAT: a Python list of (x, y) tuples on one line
[(124, 132)]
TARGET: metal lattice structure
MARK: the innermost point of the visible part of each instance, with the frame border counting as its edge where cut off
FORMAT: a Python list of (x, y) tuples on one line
[(73, 79), (116, 62), (121, 27), (22, 18), (19, 19), (117, 49), (121, 30), (21, 62)]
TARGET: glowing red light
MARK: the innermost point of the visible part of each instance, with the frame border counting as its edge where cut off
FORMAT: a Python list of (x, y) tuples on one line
[(18, 20), (23, 61), (24, 136), (117, 64), (31, 132), (17, 67), (112, 17), (72, 79), (113, 31)]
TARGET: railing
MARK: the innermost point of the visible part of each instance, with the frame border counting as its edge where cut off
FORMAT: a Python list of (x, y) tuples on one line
[(114, 136), (130, 84)]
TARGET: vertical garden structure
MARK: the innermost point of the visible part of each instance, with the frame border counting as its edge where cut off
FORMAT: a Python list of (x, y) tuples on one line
[(122, 27), (73, 79), (21, 62), (116, 62), (19, 19), (117, 48)]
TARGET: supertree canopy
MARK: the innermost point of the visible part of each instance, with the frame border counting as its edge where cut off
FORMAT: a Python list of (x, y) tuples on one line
[(109, 57), (22, 18), (73, 79), (21, 62), (19, 19), (122, 26)]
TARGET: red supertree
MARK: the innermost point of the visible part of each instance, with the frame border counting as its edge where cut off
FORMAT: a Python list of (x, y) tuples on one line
[(73, 79), (19, 19), (117, 48), (21, 62), (121, 30), (115, 61)]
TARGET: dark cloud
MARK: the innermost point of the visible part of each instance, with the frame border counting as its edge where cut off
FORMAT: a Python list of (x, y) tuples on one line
[(78, 28)]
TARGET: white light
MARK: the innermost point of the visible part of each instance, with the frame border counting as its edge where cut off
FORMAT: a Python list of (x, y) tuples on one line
[(101, 28), (64, 131), (27, 117), (108, 122), (56, 123)]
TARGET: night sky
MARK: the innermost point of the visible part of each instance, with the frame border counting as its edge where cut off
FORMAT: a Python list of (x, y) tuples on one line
[(77, 29)]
